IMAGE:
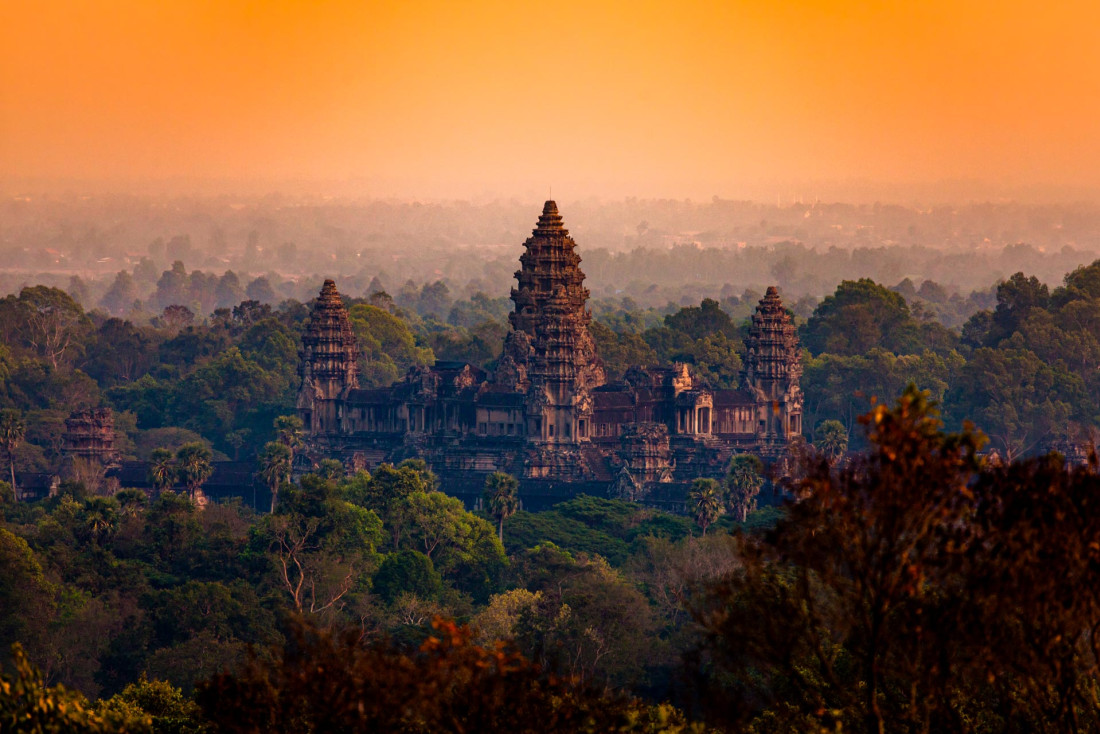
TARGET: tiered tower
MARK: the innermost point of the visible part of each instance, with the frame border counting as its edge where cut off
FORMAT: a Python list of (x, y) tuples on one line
[(90, 435), (327, 364), (550, 353), (773, 365)]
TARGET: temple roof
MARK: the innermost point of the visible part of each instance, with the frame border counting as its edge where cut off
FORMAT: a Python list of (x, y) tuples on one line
[(550, 220), (612, 399), (502, 399), (724, 398)]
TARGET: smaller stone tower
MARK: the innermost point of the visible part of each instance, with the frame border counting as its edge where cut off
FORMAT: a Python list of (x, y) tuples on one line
[(90, 435), (327, 364), (773, 365)]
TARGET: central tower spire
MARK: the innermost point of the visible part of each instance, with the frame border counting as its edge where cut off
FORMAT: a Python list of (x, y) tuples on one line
[(549, 353), (549, 260)]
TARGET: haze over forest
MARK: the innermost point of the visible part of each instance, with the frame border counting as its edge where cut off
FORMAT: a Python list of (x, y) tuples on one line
[(656, 253), (702, 150)]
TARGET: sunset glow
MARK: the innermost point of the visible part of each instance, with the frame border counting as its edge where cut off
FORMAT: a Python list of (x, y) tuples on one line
[(629, 98)]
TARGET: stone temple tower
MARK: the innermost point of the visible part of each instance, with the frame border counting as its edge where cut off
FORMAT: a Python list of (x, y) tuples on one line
[(549, 354), (771, 371), (327, 364), (90, 435)]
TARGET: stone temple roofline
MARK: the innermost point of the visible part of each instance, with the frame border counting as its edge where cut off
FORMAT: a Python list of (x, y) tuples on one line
[(550, 221)]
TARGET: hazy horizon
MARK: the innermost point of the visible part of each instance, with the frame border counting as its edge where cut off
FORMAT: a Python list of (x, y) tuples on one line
[(781, 193)]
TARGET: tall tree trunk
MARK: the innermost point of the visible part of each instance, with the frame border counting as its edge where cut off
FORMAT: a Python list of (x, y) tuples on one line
[(274, 497), (502, 529), (11, 465)]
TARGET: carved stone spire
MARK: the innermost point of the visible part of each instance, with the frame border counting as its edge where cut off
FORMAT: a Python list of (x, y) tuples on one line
[(90, 435), (550, 353), (327, 361), (773, 365), (549, 260), (772, 346)]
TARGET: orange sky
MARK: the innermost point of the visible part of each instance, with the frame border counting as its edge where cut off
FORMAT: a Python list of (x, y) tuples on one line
[(629, 98)]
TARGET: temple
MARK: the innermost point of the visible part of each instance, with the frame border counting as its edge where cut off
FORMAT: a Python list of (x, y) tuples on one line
[(90, 435), (546, 413)]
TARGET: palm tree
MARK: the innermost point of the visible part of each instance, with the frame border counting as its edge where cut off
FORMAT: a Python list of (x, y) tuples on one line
[(501, 497), (162, 469), (706, 500), (832, 439), (330, 469), (100, 519), (131, 502), (12, 431), (193, 462), (288, 431), (275, 463), (743, 484)]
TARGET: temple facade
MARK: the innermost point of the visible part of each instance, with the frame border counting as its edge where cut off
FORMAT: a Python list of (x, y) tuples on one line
[(546, 413), (90, 435)]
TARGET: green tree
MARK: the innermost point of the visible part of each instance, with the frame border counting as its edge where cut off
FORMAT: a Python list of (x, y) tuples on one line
[(120, 353), (332, 469), (193, 462), (52, 322), (705, 501), (387, 489), (28, 600), (743, 484), (159, 702), (389, 347), (702, 321), (407, 572), (858, 316), (320, 547), (832, 439), (590, 622), (1017, 297), (437, 522), (275, 465), (501, 498), (12, 431), (131, 502), (99, 519), (120, 297), (619, 351), (1017, 399), (163, 471), (27, 704), (289, 431), (497, 621)]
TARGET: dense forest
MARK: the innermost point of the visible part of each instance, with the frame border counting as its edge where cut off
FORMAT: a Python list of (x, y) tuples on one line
[(915, 586), (921, 583)]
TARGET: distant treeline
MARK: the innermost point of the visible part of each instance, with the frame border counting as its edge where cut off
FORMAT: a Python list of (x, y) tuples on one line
[(654, 252)]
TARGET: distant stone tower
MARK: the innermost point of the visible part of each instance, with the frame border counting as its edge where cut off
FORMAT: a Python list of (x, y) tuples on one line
[(327, 364), (773, 366), (90, 435), (550, 354)]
